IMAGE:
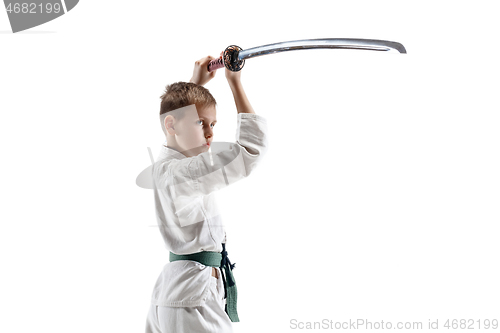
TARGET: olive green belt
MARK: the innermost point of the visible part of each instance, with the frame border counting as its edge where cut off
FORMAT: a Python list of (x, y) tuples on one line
[(216, 259)]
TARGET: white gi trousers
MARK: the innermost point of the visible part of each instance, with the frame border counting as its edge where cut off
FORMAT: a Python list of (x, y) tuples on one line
[(209, 318)]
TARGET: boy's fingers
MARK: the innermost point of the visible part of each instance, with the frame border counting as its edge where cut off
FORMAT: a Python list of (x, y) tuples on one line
[(206, 60), (203, 60)]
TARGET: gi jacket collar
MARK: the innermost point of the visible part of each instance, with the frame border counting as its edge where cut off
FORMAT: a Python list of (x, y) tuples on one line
[(172, 153)]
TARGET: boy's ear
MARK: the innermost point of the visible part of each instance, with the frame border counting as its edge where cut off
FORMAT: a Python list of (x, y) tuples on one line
[(168, 122)]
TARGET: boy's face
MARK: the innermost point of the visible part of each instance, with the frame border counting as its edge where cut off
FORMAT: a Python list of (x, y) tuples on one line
[(194, 132)]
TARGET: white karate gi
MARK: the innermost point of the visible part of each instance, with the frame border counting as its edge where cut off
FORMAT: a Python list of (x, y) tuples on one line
[(186, 297)]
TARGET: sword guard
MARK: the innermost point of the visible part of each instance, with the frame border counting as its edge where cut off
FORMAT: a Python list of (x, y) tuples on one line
[(230, 57)]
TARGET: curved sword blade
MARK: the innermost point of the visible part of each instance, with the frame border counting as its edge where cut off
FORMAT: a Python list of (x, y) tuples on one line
[(325, 43)]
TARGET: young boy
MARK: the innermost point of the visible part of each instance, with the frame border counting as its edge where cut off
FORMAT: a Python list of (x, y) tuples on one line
[(192, 288)]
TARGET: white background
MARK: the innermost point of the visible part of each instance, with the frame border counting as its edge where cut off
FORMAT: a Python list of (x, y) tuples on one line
[(378, 198)]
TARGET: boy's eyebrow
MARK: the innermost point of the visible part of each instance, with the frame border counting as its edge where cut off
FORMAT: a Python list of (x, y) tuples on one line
[(204, 119)]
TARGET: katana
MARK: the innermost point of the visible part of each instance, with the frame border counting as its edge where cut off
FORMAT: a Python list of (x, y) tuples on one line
[(234, 56)]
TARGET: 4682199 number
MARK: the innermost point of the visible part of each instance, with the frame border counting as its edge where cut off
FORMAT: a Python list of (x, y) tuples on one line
[(33, 8), (471, 324)]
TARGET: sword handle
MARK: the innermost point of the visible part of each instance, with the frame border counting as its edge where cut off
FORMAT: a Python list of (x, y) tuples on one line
[(215, 64), (229, 60)]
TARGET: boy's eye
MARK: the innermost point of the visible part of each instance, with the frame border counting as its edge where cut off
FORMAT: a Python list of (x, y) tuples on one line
[(200, 122)]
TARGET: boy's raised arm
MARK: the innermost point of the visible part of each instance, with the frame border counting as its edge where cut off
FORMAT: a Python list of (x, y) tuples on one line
[(201, 75), (240, 98)]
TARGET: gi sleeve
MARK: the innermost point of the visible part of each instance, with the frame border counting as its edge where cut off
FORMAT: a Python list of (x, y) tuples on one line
[(224, 165)]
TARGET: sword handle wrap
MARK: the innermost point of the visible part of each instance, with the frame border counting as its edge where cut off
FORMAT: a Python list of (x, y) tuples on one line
[(229, 60), (215, 64)]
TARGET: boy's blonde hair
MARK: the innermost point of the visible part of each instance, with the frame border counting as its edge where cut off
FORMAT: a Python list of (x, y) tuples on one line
[(181, 94)]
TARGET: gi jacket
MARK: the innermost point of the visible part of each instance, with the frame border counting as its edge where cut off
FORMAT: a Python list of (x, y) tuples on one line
[(186, 210)]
